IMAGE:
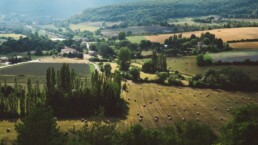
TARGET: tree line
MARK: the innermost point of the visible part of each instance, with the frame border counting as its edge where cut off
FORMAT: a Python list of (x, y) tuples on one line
[(80, 96)]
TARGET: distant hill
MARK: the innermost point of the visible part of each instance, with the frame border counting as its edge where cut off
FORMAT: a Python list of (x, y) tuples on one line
[(158, 11), (53, 8)]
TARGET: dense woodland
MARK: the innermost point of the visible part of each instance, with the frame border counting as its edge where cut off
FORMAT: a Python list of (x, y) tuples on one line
[(157, 12)]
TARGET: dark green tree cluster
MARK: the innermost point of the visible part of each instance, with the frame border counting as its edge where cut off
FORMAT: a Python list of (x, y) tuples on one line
[(80, 97), (207, 42), (124, 58), (39, 128), (158, 63), (227, 78), (187, 133), (37, 43), (17, 101)]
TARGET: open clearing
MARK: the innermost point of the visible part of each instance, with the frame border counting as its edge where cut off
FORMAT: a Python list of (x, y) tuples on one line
[(84, 27), (234, 56), (244, 45), (187, 65), (15, 36), (225, 34)]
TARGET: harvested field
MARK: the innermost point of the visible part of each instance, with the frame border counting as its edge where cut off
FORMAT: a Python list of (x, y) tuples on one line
[(182, 103), (225, 34), (244, 45)]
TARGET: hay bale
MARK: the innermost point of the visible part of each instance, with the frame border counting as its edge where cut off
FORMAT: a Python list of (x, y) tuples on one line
[(150, 102), (85, 121), (235, 102), (168, 115), (215, 108), (221, 118), (144, 105), (183, 119), (128, 99), (157, 99), (156, 118), (197, 119), (55, 118), (82, 120), (138, 114), (141, 116), (159, 91), (228, 110), (184, 109), (169, 118), (197, 113), (8, 130), (194, 104), (228, 101), (140, 119), (135, 100), (174, 105), (141, 88)]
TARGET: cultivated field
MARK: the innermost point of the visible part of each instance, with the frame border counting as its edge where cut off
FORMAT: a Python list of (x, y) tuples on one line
[(84, 27), (234, 56), (225, 34), (37, 71), (244, 45), (209, 106), (15, 36), (137, 30)]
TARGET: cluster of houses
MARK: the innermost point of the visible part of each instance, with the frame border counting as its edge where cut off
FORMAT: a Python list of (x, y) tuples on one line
[(7, 61)]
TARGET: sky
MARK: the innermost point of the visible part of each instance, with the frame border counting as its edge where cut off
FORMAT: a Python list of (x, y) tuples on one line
[(53, 7)]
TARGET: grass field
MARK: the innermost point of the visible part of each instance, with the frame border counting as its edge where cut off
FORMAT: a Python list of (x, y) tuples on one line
[(136, 39), (15, 36), (234, 56), (244, 45), (37, 71), (188, 66), (83, 27), (225, 34)]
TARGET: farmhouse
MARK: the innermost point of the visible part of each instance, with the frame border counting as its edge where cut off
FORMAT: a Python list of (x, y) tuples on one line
[(68, 50), (4, 59), (201, 45), (92, 53)]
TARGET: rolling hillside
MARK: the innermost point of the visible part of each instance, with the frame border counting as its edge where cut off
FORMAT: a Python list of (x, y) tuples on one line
[(153, 11)]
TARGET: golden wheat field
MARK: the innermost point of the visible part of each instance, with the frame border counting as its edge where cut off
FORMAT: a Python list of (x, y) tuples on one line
[(225, 34), (244, 45)]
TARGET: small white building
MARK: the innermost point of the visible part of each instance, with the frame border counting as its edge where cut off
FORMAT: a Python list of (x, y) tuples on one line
[(68, 50)]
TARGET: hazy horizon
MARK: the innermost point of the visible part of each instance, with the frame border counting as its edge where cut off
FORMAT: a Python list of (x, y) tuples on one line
[(53, 7)]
